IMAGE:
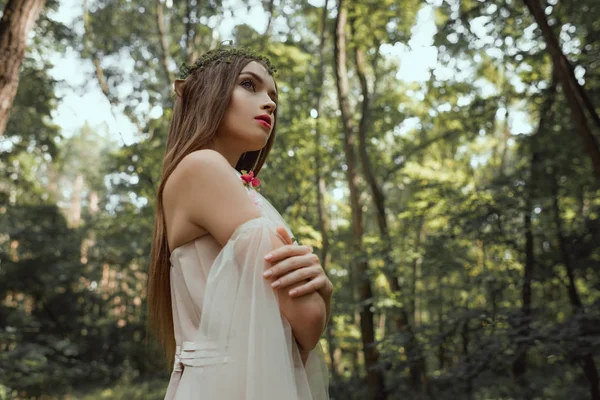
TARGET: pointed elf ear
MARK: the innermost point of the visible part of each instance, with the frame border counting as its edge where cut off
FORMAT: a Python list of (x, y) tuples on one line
[(179, 86)]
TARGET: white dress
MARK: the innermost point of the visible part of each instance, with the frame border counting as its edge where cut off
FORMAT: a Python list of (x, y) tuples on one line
[(233, 343)]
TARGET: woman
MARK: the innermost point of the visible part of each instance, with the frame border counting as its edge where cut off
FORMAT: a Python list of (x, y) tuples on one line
[(238, 326)]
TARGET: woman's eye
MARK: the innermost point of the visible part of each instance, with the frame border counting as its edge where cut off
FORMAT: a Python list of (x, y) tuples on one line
[(248, 83)]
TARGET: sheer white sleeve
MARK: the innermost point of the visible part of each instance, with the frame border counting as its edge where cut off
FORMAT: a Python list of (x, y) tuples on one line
[(244, 347)]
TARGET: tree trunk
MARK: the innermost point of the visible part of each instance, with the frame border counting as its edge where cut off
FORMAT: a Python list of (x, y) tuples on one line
[(400, 316), (464, 334), (589, 366), (375, 382), (571, 88), (440, 321), (74, 213), (18, 18), (519, 367), (414, 309), (320, 184), (164, 46)]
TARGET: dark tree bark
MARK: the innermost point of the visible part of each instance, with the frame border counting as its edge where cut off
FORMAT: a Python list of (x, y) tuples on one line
[(375, 381), (18, 19), (519, 367), (574, 93), (465, 339), (440, 324), (589, 366)]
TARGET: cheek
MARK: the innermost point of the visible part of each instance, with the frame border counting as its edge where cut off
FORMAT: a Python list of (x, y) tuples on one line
[(239, 101), (238, 111), (232, 113)]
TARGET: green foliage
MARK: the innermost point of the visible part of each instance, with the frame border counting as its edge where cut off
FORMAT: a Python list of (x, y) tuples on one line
[(472, 200)]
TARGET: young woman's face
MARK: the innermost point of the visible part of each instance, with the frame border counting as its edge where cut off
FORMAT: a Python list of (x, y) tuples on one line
[(249, 119)]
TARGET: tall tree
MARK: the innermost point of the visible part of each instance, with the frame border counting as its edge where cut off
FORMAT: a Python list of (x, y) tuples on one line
[(321, 190), (520, 363), (18, 18), (589, 365), (575, 94), (375, 381), (365, 127)]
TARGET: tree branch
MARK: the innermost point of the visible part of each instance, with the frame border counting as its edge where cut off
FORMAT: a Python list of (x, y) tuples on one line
[(413, 151)]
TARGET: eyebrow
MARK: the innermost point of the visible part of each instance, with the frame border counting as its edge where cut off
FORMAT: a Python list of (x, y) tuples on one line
[(260, 80)]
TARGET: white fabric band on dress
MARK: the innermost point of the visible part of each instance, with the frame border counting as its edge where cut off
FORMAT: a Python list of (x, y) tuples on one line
[(191, 354)]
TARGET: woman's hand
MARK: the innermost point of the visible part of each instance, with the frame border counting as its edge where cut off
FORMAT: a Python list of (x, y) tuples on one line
[(292, 264)]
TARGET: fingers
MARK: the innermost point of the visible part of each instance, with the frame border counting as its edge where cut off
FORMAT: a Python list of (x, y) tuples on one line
[(290, 264), (314, 285), (287, 251), (297, 276)]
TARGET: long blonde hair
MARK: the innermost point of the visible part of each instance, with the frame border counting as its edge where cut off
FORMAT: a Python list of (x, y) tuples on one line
[(198, 110)]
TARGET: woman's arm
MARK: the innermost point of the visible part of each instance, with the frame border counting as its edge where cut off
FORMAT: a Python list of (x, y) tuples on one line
[(308, 325), (209, 195), (290, 263), (322, 284)]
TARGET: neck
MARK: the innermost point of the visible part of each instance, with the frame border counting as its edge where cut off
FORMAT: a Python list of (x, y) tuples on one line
[(231, 155)]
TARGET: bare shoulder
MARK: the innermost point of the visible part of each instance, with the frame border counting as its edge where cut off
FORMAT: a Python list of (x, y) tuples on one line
[(205, 192), (198, 165), (200, 161)]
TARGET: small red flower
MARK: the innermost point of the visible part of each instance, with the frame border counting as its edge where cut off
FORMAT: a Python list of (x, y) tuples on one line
[(249, 179)]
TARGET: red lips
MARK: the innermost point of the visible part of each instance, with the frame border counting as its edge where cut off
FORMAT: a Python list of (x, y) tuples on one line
[(265, 118)]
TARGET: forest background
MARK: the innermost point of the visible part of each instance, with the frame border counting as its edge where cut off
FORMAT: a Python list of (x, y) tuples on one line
[(441, 156)]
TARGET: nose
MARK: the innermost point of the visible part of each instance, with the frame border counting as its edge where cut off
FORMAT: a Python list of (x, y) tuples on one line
[(269, 106)]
